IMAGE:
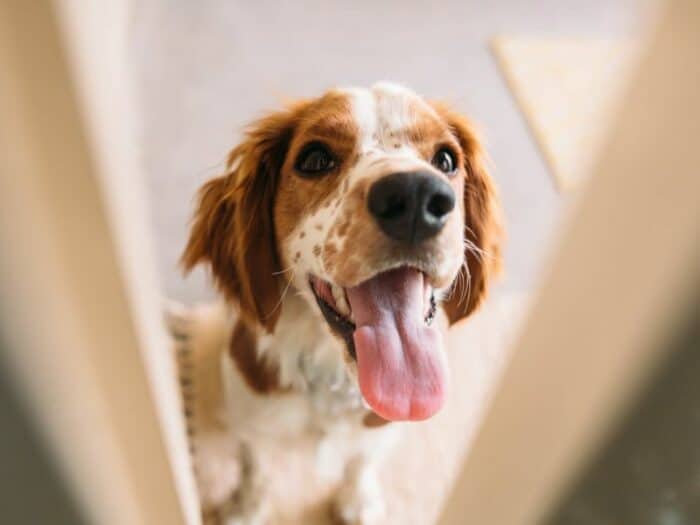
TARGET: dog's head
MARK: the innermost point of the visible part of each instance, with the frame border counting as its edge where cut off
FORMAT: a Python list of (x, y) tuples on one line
[(372, 204)]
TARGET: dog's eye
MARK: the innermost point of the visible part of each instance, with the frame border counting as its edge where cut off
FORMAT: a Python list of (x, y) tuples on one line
[(444, 160), (315, 159)]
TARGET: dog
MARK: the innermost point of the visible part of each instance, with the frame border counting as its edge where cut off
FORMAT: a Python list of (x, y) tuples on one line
[(348, 232)]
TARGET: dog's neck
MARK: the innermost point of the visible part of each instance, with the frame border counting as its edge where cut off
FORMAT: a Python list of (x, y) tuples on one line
[(301, 355)]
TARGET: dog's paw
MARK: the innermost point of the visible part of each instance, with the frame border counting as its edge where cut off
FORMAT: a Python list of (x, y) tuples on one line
[(236, 514), (178, 319), (359, 505), (242, 520), (217, 468)]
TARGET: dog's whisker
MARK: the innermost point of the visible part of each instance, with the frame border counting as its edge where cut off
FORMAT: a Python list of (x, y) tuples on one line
[(284, 292), (479, 252), (290, 268), (468, 279)]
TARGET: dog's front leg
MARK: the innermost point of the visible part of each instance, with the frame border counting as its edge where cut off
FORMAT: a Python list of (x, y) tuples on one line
[(248, 505), (360, 500)]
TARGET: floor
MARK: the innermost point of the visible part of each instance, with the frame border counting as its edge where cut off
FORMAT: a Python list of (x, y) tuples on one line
[(204, 69)]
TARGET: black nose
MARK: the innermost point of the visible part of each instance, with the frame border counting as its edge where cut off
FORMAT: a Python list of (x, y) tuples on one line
[(411, 206)]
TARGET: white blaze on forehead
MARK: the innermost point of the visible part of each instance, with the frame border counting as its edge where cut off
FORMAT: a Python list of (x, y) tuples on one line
[(383, 114), (364, 111), (395, 106)]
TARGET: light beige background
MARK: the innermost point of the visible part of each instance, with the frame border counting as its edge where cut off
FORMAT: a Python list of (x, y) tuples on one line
[(204, 69)]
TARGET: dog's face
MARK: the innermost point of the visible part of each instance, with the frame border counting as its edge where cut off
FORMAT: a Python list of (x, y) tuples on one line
[(372, 204)]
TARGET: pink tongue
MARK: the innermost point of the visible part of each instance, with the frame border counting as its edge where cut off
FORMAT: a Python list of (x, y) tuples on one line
[(400, 360)]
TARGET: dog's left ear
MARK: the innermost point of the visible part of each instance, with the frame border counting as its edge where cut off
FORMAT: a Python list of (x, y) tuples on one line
[(483, 230)]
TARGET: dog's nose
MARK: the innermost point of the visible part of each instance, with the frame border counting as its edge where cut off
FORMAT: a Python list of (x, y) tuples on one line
[(412, 206)]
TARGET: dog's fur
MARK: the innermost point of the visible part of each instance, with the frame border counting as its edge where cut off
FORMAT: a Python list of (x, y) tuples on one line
[(263, 230)]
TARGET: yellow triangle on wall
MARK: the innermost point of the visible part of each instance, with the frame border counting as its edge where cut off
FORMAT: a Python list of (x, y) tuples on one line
[(568, 89)]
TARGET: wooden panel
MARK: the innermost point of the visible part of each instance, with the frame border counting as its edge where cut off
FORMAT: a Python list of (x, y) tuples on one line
[(81, 307), (627, 261)]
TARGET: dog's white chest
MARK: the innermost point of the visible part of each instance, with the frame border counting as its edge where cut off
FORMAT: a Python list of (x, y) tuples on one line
[(321, 392)]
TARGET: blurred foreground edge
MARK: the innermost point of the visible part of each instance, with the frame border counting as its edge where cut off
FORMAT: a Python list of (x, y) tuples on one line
[(623, 277)]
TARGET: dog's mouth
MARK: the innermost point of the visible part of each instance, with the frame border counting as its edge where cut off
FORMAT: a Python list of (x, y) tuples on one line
[(386, 323), (336, 309)]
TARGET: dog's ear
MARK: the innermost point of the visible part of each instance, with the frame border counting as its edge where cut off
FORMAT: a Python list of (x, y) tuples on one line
[(233, 229), (483, 230)]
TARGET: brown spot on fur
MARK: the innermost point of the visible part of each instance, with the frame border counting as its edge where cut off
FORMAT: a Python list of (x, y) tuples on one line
[(317, 250), (361, 245), (319, 226), (302, 235), (348, 268), (343, 227), (260, 376), (329, 252), (297, 256), (373, 420)]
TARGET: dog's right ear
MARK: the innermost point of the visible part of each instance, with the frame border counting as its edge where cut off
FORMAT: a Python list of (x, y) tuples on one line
[(212, 236), (233, 229)]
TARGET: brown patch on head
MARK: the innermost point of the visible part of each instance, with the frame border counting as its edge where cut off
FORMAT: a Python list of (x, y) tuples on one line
[(428, 132), (260, 376), (328, 120)]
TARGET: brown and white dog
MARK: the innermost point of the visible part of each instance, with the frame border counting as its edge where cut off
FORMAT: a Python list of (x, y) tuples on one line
[(348, 231)]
